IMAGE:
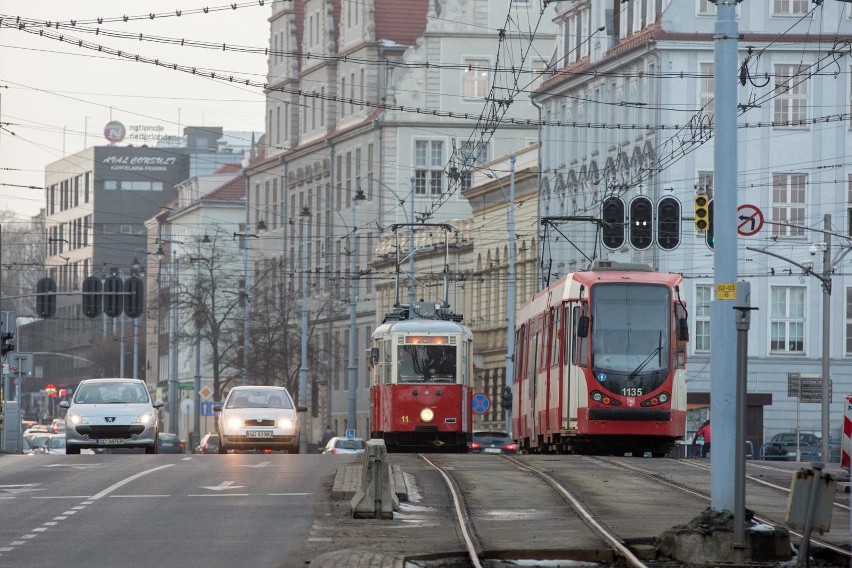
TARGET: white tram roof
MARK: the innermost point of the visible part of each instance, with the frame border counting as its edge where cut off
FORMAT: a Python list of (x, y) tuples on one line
[(422, 326)]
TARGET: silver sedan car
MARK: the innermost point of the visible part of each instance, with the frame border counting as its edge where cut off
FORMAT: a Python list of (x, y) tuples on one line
[(258, 418), (111, 413)]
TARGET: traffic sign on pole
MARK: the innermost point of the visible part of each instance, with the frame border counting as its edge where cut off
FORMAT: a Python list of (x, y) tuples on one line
[(480, 403)]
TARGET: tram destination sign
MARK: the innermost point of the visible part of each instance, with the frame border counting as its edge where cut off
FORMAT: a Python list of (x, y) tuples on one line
[(807, 387)]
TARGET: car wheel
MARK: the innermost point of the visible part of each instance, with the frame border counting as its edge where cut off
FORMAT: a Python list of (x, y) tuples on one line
[(152, 449), (69, 450)]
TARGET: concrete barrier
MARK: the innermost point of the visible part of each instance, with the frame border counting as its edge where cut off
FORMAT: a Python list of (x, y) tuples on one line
[(375, 499)]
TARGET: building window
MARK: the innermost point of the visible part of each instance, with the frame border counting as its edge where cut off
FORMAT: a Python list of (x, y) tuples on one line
[(703, 297), (791, 95), (475, 84), (789, 7), (848, 321), (428, 166), (787, 319), (705, 71), (788, 204), (706, 8)]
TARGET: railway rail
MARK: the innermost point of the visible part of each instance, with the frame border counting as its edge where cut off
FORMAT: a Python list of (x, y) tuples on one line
[(599, 509)]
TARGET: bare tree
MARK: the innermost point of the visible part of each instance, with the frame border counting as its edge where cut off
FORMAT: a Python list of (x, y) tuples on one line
[(21, 261)]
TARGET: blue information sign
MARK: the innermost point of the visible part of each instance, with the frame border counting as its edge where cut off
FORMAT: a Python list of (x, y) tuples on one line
[(480, 403), (207, 408)]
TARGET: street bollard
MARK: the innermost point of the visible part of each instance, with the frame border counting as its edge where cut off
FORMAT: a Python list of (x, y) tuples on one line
[(374, 499)]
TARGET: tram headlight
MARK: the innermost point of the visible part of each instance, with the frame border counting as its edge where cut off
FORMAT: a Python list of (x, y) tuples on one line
[(427, 415), (664, 398), (596, 396)]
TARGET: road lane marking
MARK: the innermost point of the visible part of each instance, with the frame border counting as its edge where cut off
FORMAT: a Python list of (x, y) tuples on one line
[(139, 496), (222, 486), (124, 482), (219, 495), (60, 497), (289, 494)]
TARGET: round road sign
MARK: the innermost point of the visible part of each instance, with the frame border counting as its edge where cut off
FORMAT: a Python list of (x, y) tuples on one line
[(749, 220)]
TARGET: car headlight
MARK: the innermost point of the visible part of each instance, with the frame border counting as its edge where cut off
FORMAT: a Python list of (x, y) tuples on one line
[(77, 419), (285, 423), (234, 423), (427, 415), (146, 418)]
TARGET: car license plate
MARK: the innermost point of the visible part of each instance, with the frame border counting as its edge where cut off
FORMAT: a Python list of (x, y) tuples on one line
[(492, 450), (259, 433), (110, 441)]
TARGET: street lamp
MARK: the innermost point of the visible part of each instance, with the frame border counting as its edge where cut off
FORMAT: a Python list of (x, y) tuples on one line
[(173, 335), (305, 214), (353, 290), (245, 296), (195, 439)]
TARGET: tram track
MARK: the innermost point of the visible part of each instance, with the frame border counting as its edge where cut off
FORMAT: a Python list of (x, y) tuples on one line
[(763, 518), (480, 537)]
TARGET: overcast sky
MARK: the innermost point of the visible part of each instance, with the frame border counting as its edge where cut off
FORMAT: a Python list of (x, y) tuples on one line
[(56, 98)]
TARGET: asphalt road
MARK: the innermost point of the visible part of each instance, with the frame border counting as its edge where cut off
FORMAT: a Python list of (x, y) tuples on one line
[(160, 510)]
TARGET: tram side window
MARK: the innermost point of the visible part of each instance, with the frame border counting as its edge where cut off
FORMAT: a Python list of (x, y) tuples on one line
[(554, 336), (386, 362), (581, 355)]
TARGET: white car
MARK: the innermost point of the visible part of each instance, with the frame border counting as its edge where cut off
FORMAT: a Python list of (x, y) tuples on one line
[(339, 445), (111, 413), (258, 418)]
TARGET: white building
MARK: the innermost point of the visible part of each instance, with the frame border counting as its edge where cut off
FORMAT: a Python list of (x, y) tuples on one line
[(629, 111)]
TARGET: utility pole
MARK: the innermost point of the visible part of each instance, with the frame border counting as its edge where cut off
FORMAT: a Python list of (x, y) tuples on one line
[(826, 337), (411, 247), (722, 319), (510, 331), (173, 343)]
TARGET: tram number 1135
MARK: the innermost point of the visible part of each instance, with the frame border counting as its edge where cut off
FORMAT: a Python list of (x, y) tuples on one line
[(631, 391)]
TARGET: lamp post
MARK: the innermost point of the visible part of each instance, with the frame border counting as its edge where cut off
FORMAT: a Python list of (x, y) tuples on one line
[(134, 271), (173, 335), (305, 214), (353, 336), (245, 297), (195, 438)]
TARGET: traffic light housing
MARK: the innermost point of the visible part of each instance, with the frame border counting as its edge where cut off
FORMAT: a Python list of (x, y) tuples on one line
[(710, 237), (134, 297), (46, 298), (5, 342), (92, 297), (113, 296), (506, 398), (668, 223), (641, 223), (702, 212), (612, 214)]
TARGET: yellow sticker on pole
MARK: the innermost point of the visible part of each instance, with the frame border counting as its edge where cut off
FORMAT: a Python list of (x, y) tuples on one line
[(726, 291)]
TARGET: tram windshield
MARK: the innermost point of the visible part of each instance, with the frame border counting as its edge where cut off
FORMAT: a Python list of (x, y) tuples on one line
[(631, 336), (426, 363)]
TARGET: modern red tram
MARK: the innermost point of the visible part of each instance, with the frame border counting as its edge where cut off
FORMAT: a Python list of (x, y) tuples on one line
[(601, 363), (421, 372)]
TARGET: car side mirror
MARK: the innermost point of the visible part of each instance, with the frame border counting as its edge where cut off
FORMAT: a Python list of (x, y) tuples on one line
[(682, 329), (301, 408), (64, 404), (217, 408), (158, 404)]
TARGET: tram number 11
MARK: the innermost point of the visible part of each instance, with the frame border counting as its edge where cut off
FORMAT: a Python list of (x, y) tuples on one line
[(404, 419), (631, 391)]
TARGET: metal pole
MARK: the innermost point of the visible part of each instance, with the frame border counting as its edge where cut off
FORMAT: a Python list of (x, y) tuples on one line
[(195, 438), (121, 345), (303, 368), (743, 321), (826, 337), (411, 246), (246, 306), (353, 335), (135, 348), (510, 331), (173, 405), (722, 317)]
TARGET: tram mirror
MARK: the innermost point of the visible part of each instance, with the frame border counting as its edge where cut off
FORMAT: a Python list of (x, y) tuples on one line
[(374, 355), (583, 326), (682, 329)]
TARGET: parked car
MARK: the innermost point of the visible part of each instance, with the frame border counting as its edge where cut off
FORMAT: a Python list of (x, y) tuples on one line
[(56, 446), (169, 443), (258, 418), (111, 413), (57, 426), (782, 447), (39, 442), (209, 444), (492, 442), (340, 445)]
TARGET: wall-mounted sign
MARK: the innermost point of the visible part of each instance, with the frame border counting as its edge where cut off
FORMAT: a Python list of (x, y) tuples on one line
[(114, 131)]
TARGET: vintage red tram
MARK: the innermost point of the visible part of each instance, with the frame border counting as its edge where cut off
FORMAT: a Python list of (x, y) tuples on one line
[(601, 363), (422, 367)]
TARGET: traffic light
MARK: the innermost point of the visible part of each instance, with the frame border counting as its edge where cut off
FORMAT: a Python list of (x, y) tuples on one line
[(506, 398), (668, 223), (46, 298), (113, 296), (702, 212), (710, 238), (641, 223), (92, 297), (612, 214), (134, 297), (5, 345)]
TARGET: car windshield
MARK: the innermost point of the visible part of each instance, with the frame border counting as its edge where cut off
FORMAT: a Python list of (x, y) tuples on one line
[(57, 442), (258, 398), (118, 392), (349, 445)]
